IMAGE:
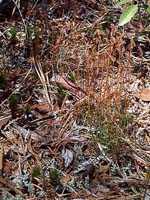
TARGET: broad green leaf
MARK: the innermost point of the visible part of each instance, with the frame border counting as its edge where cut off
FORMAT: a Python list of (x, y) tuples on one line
[(148, 9), (142, 37), (121, 3), (127, 14)]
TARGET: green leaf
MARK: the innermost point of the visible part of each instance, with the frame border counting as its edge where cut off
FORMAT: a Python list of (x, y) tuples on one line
[(121, 3), (142, 37), (148, 9), (127, 14)]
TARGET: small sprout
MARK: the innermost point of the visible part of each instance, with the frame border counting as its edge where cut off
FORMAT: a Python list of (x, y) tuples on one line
[(27, 110), (36, 171), (13, 102), (71, 77), (13, 33), (3, 81), (54, 176)]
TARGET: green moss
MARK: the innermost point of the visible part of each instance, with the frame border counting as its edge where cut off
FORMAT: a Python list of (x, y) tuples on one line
[(54, 176), (36, 171), (3, 81), (13, 33), (108, 124), (13, 101)]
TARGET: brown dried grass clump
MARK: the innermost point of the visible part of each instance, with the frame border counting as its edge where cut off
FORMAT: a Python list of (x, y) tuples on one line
[(97, 62)]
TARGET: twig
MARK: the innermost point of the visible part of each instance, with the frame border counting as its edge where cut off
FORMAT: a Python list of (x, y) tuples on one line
[(11, 186)]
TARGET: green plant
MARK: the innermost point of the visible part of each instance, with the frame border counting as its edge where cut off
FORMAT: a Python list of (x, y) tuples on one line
[(130, 11), (71, 77), (36, 171), (107, 124), (3, 81), (13, 103), (54, 176), (13, 33)]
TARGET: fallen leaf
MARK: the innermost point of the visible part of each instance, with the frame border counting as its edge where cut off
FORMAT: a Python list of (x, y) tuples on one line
[(4, 121), (143, 94), (35, 136), (41, 108), (68, 156), (66, 179), (25, 133), (10, 155), (68, 85), (89, 171)]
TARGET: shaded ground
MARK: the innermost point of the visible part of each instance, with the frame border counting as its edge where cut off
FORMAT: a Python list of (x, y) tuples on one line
[(74, 103)]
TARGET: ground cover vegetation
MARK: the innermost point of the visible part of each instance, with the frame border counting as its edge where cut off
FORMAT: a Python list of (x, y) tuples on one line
[(74, 99)]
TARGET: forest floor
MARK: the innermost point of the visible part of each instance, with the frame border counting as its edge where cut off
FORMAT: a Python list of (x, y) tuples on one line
[(74, 103)]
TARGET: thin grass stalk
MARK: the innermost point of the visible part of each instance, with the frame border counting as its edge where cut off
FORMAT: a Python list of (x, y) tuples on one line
[(41, 76)]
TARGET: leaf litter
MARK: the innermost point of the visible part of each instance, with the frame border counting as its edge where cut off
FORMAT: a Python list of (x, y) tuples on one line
[(58, 93)]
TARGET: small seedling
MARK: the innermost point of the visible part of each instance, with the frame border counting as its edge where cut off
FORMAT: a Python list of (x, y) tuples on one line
[(71, 77), (54, 176), (3, 81), (36, 171), (13, 102), (13, 33)]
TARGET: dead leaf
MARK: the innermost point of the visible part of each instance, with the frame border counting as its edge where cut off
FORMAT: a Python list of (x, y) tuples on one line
[(143, 94), (25, 133), (41, 108), (36, 137), (4, 121), (11, 155), (89, 171), (66, 179), (68, 156), (68, 85)]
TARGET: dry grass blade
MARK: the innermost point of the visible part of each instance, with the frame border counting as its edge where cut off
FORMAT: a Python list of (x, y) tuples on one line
[(12, 187), (42, 78)]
